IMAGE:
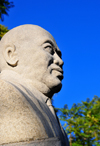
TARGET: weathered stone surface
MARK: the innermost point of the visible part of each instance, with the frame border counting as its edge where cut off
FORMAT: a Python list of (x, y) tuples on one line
[(31, 72), (44, 142)]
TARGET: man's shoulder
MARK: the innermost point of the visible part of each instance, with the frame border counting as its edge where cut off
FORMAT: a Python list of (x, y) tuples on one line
[(3, 83), (18, 120), (7, 88), (9, 95)]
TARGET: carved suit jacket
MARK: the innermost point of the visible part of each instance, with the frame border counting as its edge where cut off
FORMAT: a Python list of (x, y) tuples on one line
[(25, 118)]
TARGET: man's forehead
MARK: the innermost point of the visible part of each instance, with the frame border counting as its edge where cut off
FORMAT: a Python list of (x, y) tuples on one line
[(41, 36), (41, 39), (29, 33)]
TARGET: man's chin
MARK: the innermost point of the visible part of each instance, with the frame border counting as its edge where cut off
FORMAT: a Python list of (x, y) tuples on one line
[(54, 85), (57, 88), (53, 90)]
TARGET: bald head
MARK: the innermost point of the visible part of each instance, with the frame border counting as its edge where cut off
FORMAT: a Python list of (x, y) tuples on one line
[(21, 38), (24, 33), (33, 53)]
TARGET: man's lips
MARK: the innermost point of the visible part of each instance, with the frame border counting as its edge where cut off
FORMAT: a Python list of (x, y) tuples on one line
[(58, 71), (57, 68)]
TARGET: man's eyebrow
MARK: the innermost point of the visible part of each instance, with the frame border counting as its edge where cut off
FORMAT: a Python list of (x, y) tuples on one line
[(49, 41), (57, 51)]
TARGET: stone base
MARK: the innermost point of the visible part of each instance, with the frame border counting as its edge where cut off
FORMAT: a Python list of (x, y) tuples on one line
[(45, 142)]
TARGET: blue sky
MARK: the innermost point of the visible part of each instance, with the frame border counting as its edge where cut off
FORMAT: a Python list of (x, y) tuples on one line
[(75, 25)]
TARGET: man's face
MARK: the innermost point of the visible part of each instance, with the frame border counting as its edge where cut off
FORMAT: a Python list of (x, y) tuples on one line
[(43, 63)]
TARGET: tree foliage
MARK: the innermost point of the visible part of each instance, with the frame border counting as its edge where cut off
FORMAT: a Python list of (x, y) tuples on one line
[(82, 122), (5, 5), (3, 30)]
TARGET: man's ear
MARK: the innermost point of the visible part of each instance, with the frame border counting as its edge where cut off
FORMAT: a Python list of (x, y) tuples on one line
[(10, 55)]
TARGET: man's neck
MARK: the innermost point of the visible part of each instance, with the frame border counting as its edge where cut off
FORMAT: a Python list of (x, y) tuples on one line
[(15, 78), (12, 76)]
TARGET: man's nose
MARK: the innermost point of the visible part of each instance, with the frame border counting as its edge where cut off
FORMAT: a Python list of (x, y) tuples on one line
[(58, 60)]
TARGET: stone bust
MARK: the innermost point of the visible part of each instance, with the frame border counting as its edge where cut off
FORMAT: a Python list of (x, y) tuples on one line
[(31, 72)]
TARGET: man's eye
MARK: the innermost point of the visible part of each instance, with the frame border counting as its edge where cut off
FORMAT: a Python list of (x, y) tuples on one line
[(49, 49)]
